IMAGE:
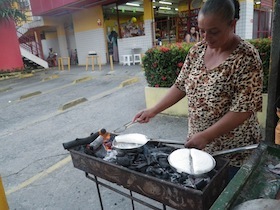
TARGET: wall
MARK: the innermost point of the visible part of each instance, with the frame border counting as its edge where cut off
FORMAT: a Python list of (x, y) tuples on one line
[(10, 56), (125, 45), (41, 6), (89, 36), (51, 41), (244, 26)]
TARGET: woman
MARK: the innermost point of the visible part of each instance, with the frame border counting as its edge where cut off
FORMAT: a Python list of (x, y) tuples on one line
[(114, 41), (193, 36), (222, 78)]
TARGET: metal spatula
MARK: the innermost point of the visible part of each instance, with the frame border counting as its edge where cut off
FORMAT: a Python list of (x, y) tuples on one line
[(124, 127), (238, 149)]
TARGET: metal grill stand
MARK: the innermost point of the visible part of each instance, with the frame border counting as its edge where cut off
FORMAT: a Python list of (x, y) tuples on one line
[(130, 195)]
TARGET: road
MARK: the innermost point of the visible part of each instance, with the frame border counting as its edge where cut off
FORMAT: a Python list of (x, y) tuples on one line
[(36, 171)]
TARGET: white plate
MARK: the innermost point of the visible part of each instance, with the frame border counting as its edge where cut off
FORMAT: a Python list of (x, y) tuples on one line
[(202, 161)]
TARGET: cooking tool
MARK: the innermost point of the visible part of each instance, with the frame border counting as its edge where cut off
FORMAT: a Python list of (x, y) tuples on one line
[(124, 127), (127, 141), (191, 161), (180, 198), (183, 159), (83, 141), (136, 140), (234, 150)]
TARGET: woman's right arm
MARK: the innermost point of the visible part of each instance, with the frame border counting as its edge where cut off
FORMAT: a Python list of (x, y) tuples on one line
[(197, 36), (188, 37), (172, 97)]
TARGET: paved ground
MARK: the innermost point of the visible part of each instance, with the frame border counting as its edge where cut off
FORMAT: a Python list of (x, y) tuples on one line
[(35, 120)]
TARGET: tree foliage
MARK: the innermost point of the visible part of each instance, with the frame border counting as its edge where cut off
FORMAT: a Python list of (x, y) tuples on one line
[(9, 10)]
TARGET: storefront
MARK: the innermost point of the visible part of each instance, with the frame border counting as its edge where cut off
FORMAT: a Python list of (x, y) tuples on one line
[(171, 20), (121, 28)]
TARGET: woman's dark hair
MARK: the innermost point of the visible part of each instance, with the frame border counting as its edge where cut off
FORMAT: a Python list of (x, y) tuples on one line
[(227, 9)]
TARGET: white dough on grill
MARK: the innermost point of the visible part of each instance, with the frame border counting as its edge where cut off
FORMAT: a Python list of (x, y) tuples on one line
[(202, 161), (135, 138)]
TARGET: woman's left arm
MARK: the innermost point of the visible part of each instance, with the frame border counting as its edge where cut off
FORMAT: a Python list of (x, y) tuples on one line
[(228, 122), (197, 36)]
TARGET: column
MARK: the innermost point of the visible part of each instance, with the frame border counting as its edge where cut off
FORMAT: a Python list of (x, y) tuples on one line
[(244, 27), (149, 22), (62, 42)]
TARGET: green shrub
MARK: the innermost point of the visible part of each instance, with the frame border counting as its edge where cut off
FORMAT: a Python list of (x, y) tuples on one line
[(264, 47), (162, 64)]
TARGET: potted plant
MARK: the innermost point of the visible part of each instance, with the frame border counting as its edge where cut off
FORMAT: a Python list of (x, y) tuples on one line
[(162, 65)]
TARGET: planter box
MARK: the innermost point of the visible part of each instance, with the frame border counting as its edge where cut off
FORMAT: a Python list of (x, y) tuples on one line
[(262, 115), (153, 95)]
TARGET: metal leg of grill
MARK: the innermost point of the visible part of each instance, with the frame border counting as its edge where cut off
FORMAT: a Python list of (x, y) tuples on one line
[(98, 190), (132, 201), (120, 192), (164, 206)]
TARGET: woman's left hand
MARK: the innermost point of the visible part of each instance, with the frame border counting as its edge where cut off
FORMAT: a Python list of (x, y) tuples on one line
[(198, 141)]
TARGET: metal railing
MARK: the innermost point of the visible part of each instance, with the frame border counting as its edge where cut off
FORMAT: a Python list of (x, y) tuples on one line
[(29, 43)]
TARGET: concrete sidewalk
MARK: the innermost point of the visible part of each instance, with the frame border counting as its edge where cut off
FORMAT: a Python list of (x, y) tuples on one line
[(118, 69)]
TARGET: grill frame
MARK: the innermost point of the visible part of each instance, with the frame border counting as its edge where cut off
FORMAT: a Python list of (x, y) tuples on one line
[(163, 191)]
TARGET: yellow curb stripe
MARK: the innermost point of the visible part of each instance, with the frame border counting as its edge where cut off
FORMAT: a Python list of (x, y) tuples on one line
[(72, 103), (26, 75), (83, 79), (5, 89), (40, 175), (55, 76), (129, 81), (30, 95)]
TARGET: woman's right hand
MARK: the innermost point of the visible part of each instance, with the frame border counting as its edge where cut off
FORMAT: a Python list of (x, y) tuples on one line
[(144, 116)]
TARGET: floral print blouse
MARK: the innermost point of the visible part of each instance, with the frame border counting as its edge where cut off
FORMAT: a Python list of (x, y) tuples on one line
[(235, 85)]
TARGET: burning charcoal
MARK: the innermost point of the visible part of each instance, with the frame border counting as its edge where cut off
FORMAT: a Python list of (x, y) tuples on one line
[(140, 157), (141, 167), (120, 153), (125, 160), (88, 151), (174, 177), (189, 183), (157, 172), (111, 156), (163, 162), (155, 157)]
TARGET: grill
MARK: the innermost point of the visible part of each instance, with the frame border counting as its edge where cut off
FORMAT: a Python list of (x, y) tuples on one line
[(153, 177)]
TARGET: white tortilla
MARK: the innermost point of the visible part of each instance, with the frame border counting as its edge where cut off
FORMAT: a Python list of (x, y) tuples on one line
[(133, 138), (202, 161)]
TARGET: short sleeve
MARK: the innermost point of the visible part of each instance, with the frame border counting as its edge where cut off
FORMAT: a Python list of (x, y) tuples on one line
[(248, 82), (183, 75)]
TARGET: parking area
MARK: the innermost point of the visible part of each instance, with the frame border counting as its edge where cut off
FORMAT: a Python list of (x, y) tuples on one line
[(36, 171)]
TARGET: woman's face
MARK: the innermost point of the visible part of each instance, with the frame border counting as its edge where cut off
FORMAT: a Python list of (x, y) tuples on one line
[(215, 31), (192, 30)]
